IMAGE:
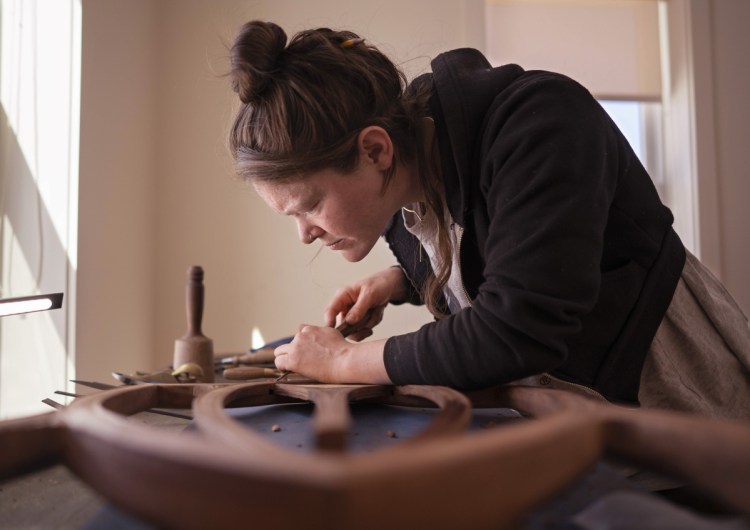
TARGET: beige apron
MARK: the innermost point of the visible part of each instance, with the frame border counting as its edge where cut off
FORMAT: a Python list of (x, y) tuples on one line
[(699, 360)]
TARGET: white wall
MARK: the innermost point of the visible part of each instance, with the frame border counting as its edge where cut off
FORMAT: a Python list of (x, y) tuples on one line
[(118, 183), (158, 194)]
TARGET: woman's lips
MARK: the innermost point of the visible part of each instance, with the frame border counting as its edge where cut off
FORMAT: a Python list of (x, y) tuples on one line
[(336, 244)]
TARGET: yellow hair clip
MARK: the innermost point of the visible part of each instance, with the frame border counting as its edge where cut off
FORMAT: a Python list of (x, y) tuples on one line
[(351, 42)]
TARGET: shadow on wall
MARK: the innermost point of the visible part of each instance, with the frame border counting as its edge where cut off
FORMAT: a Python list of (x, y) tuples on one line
[(27, 226)]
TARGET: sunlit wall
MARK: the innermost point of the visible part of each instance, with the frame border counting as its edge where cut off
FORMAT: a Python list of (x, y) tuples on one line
[(40, 93)]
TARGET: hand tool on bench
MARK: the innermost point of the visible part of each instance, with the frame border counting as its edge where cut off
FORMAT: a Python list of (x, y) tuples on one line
[(261, 355), (249, 372), (104, 386), (194, 347), (187, 373), (52, 403)]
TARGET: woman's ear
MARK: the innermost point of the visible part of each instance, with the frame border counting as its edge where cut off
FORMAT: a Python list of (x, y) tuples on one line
[(376, 147)]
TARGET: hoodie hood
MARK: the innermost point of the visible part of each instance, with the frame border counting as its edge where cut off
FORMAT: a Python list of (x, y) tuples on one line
[(465, 85)]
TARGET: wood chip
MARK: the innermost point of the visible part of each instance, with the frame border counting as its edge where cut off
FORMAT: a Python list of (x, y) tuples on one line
[(275, 428), (391, 434)]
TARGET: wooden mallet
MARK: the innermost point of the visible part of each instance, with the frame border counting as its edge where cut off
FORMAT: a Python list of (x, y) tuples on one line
[(193, 347)]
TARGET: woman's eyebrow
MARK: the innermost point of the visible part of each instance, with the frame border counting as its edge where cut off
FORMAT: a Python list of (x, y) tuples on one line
[(305, 204), (296, 208)]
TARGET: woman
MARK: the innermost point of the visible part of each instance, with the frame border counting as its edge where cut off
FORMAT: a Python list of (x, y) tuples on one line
[(518, 213)]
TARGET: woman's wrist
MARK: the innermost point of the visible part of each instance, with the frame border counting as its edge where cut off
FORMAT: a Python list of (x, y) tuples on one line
[(363, 363), (399, 289)]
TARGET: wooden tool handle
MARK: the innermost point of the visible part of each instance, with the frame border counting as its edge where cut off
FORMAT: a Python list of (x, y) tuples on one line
[(194, 296), (347, 329), (260, 356), (249, 372)]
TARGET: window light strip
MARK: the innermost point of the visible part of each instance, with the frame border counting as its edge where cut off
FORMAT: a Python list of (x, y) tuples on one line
[(30, 304)]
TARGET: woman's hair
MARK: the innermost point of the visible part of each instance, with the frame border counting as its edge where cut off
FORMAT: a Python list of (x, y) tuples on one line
[(305, 101)]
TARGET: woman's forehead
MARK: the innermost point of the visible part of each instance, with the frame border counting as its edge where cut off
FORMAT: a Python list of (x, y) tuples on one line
[(288, 196)]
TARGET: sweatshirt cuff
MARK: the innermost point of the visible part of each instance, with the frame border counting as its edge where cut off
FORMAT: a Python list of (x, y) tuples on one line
[(400, 362)]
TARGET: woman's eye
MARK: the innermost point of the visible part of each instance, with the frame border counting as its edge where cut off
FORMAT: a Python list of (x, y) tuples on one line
[(312, 208)]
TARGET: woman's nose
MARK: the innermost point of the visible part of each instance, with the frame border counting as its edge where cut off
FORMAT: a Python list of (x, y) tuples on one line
[(307, 232)]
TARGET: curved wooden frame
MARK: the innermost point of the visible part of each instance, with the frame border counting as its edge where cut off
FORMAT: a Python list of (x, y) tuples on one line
[(226, 476)]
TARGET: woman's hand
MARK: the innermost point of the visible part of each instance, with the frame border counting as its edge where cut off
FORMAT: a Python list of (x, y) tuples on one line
[(323, 354), (363, 302)]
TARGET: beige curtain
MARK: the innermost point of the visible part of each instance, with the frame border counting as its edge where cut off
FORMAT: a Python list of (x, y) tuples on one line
[(611, 46)]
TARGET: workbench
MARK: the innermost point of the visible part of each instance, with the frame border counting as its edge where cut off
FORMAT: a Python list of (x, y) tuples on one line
[(55, 498)]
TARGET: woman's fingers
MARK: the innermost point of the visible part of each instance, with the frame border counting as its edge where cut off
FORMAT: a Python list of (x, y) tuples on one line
[(353, 302), (376, 316), (280, 358), (283, 352), (364, 327), (314, 352), (359, 310), (340, 304)]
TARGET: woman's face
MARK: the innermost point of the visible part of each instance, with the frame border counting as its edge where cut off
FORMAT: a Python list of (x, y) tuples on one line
[(345, 212)]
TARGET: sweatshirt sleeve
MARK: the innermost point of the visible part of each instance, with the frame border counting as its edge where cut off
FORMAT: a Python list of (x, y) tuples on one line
[(547, 170)]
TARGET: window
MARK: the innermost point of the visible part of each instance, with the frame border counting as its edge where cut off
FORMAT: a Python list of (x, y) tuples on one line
[(640, 122), (40, 50), (635, 56)]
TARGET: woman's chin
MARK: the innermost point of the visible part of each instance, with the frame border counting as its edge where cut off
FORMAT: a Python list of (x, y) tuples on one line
[(356, 252), (352, 255)]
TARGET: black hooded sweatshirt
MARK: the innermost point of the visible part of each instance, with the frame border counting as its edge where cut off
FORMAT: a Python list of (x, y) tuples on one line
[(568, 255)]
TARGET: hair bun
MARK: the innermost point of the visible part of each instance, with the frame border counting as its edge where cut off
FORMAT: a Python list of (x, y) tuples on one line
[(255, 56)]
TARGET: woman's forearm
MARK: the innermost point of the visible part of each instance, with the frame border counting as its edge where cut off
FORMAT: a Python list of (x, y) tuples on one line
[(363, 363)]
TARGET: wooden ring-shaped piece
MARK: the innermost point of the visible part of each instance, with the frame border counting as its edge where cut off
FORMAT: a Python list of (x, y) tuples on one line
[(221, 477), (224, 476)]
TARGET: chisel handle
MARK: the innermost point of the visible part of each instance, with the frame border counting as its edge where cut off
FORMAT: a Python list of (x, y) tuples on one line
[(249, 372)]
